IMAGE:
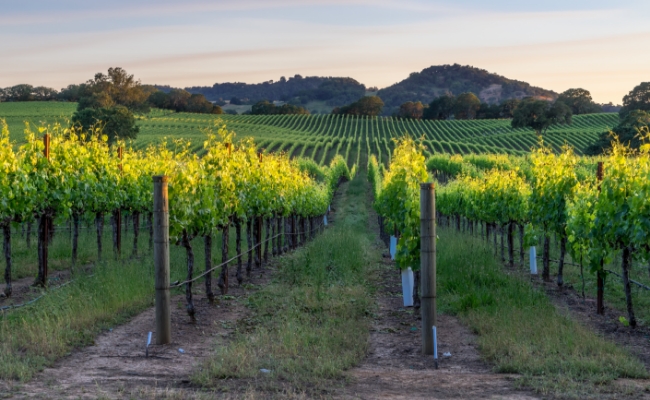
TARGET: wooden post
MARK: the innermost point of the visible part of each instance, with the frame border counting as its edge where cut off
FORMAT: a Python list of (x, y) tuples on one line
[(161, 259), (46, 219), (46, 142), (118, 212), (600, 278), (428, 264)]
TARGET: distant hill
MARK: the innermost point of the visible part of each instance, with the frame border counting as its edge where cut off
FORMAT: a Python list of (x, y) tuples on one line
[(435, 81), (296, 90)]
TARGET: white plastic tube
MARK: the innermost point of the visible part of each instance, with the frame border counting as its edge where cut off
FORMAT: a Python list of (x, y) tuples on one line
[(533, 260), (393, 247), (325, 220), (407, 287), (146, 349), (435, 346)]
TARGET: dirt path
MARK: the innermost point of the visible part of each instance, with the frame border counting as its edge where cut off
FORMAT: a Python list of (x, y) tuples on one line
[(396, 369), (116, 365)]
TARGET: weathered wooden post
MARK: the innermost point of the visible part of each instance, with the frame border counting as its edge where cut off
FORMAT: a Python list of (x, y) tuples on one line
[(118, 212), (161, 259), (600, 278), (428, 265), (45, 239)]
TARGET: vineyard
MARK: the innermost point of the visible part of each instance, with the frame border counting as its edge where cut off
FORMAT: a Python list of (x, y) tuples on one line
[(269, 190), (322, 137)]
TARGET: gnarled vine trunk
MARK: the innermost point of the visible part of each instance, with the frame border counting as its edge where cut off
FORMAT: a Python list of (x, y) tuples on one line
[(207, 245), (560, 270), (249, 242), (99, 226), (546, 271), (223, 276), (185, 242), (240, 278), (6, 230), (625, 266)]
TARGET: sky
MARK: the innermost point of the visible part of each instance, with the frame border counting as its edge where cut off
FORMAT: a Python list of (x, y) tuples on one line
[(602, 46)]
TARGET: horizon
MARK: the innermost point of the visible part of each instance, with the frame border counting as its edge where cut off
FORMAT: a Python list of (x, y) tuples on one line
[(588, 44)]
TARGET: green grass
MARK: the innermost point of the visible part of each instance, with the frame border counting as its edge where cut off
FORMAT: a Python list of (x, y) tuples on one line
[(519, 330), (311, 322), (35, 336)]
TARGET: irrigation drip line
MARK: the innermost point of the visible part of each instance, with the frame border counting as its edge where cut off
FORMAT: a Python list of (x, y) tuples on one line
[(558, 261), (641, 285), (14, 306), (239, 255)]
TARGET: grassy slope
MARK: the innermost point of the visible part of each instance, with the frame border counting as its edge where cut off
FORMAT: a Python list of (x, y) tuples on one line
[(444, 136)]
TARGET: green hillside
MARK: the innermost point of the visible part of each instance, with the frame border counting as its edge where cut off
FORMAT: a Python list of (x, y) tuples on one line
[(321, 137)]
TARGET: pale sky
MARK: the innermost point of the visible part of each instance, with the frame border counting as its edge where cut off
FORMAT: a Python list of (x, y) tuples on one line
[(602, 46)]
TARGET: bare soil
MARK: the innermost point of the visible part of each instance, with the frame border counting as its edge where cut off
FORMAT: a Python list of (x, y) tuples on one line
[(117, 366), (396, 369)]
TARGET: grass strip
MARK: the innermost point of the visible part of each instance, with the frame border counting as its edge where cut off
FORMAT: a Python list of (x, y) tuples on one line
[(519, 330), (35, 336), (311, 321)]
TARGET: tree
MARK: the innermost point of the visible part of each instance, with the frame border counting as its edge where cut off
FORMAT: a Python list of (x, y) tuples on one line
[(369, 106), (265, 107), (160, 99), (198, 104), (540, 115), (178, 99), (466, 106), (579, 101), (22, 92), (115, 88), (507, 108), (413, 110), (488, 111), (116, 122), (72, 92), (637, 99), (440, 108), (628, 131)]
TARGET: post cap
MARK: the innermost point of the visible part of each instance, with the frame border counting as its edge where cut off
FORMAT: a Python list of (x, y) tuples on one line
[(160, 179), (427, 185)]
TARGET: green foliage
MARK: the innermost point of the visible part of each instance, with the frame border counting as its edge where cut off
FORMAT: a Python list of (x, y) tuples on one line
[(410, 109), (441, 107), (539, 115), (637, 99), (466, 106), (267, 108), (117, 88), (399, 199), (181, 100), (116, 122), (553, 182), (629, 131), (369, 106), (579, 101)]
